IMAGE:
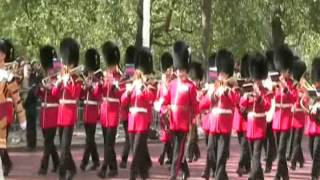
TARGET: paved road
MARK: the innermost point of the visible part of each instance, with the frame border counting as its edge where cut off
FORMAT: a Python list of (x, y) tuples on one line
[(26, 165)]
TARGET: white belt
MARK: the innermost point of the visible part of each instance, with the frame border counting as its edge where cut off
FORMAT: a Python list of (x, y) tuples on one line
[(67, 101), (179, 107), (257, 115), (88, 102), (221, 111), (288, 105), (298, 110), (138, 110), (109, 99), (49, 105), (9, 100)]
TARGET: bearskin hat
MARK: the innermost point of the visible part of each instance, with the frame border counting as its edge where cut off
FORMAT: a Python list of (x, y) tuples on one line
[(166, 61), (244, 66), (212, 60), (92, 60), (47, 56), (130, 53), (257, 66), (225, 62), (144, 60), (111, 53), (70, 51), (298, 69), (7, 48), (181, 55), (315, 70), (283, 58), (196, 71), (270, 57)]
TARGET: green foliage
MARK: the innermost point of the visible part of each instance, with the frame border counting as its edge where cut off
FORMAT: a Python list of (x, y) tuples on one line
[(241, 25)]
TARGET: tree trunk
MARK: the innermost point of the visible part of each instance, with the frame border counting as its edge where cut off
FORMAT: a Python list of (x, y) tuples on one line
[(144, 19), (207, 29), (278, 35)]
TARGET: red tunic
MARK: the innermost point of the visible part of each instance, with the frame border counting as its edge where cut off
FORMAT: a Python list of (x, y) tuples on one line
[(257, 112), (10, 111), (68, 95), (91, 97), (222, 102), (111, 96), (182, 99), (49, 108), (282, 118), (140, 103), (299, 116)]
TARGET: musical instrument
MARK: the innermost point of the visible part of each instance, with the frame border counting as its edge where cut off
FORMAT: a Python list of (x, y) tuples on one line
[(87, 80)]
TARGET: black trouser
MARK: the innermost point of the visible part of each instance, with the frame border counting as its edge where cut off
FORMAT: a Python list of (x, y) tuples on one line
[(270, 145), (49, 149), (31, 115), (316, 157), (223, 142), (256, 172), (193, 151), (311, 141), (290, 144), (167, 150), (91, 147), (126, 146), (297, 154), (6, 161), (109, 139), (140, 161), (178, 158), (66, 160), (282, 167), (211, 155), (244, 161)]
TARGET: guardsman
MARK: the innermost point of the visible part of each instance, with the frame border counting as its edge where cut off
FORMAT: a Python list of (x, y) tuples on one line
[(239, 119), (49, 110), (110, 107), (298, 118), (8, 88), (183, 107), (211, 78), (124, 111), (196, 75), (91, 114), (310, 102), (139, 98), (68, 88), (269, 143), (285, 96), (221, 98), (166, 62), (256, 103)]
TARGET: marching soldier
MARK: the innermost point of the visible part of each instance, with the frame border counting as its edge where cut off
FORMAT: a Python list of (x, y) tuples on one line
[(221, 99), (256, 103), (49, 110), (193, 151), (8, 88), (165, 135), (269, 142), (124, 111), (239, 120), (310, 103), (68, 88), (110, 107), (139, 98), (298, 118), (285, 96), (91, 107), (183, 107)]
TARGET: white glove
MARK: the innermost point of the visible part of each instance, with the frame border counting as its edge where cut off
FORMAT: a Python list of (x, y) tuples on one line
[(157, 106), (65, 79), (23, 125)]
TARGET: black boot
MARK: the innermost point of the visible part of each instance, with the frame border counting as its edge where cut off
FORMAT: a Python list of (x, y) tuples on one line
[(94, 166), (268, 168), (161, 159), (42, 171), (123, 164), (113, 173), (83, 167)]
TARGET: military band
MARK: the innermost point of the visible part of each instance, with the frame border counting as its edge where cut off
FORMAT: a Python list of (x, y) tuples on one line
[(267, 101)]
